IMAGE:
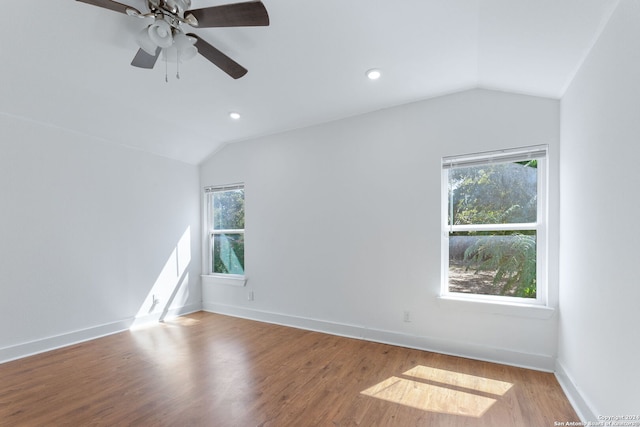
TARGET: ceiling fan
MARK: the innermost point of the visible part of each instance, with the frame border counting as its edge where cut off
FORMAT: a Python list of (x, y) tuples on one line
[(165, 35)]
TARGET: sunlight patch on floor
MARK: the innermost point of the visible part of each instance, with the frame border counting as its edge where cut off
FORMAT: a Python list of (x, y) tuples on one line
[(437, 390), (471, 382), (182, 321)]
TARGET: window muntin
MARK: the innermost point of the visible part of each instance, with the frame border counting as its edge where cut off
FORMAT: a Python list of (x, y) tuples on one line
[(225, 212), (494, 212)]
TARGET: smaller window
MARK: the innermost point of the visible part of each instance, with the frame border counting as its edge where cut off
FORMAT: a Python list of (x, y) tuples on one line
[(225, 217)]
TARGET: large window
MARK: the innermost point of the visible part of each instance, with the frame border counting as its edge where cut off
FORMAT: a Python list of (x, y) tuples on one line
[(225, 218), (494, 228)]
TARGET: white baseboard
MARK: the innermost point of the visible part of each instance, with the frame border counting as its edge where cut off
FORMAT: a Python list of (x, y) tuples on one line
[(580, 405), (31, 348), (497, 355)]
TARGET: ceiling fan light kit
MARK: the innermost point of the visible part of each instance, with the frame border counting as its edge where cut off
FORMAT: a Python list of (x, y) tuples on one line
[(165, 35), (160, 33), (144, 41), (182, 49)]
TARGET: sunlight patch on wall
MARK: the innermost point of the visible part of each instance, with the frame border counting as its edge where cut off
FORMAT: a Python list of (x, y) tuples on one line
[(437, 390), (168, 288)]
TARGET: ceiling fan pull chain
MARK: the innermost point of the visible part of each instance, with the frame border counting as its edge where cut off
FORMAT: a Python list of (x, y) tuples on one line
[(166, 69), (178, 64)]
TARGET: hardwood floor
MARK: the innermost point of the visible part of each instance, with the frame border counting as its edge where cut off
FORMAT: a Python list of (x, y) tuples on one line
[(211, 370)]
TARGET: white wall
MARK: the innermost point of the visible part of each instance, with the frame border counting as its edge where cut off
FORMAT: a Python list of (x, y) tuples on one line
[(343, 225), (87, 230), (599, 342)]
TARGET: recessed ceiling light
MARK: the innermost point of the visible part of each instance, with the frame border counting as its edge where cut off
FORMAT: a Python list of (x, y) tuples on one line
[(234, 115), (373, 74)]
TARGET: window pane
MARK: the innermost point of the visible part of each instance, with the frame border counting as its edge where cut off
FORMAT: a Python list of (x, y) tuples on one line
[(493, 263), (228, 253), (228, 210), (503, 193)]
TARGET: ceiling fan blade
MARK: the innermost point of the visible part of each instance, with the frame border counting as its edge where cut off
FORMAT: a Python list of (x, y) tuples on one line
[(144, 60), (218, 58), (108, 4), (248, 14)]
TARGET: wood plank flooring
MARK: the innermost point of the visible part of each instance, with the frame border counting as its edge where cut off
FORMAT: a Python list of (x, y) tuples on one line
[(210, 370)]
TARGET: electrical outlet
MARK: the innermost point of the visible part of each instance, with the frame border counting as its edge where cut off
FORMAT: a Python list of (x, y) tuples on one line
[(407, 316), (250, 296)]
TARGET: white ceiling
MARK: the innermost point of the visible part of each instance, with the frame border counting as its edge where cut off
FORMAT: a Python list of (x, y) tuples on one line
[(66, 64)]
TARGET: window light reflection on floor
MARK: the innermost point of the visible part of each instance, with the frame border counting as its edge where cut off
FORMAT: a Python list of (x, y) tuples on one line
[(438, 390)]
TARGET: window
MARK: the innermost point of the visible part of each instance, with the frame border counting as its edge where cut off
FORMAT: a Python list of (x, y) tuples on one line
[(225, 217), (494, 227)]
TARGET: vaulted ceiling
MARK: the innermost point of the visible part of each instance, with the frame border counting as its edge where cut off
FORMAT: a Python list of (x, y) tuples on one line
[(65, 63)]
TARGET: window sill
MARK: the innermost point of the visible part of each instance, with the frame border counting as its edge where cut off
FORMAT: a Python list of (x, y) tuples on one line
[(496, 307), (224, 279)]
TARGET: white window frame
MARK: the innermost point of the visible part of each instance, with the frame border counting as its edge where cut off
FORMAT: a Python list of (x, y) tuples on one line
[(209, 232), (539, 152)]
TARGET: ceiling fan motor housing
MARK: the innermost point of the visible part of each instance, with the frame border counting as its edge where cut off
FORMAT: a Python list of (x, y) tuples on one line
[(173, 7)]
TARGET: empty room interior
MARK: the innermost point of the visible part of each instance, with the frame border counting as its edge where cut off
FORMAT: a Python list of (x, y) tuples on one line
[(214, 213)]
